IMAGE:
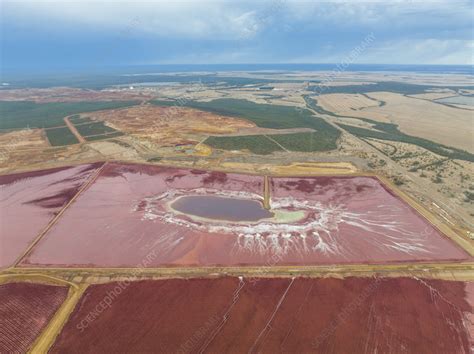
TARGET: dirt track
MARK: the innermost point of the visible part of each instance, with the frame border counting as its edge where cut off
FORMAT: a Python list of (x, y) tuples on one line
[(73, 130)]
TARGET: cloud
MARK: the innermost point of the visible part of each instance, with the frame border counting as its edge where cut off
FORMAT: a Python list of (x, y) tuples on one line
[(180, 19), (406, 31), (426, 51)]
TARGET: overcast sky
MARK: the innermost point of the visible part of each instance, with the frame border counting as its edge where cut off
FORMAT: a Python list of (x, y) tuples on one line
[(79, 33)]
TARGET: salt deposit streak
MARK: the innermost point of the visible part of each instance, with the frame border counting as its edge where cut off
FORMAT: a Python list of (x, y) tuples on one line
[(125, 217), (319, 233)]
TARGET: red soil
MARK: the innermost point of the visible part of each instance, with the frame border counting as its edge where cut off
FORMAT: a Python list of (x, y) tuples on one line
[(25, 310), (28, 202), (353, 315), (121, 220)]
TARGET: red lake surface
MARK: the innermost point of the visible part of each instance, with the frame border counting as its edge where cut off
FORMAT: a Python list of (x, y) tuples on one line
[(126, 219), (29, 201)]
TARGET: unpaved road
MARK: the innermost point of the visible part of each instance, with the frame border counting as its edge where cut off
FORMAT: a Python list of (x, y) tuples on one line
[(73, 130)]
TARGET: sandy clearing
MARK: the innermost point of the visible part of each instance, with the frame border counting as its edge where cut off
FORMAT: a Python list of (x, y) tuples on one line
[(433, 121)]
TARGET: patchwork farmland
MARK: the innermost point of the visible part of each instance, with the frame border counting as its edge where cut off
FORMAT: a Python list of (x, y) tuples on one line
[(25, 310)]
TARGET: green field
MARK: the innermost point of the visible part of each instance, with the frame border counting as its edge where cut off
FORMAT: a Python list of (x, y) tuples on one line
[(263, 115), (266, 144), (61, 136), (20, 115), (95, 128), (104, 136), (257, 144), (76, 119), (269, 116), (306, 142)]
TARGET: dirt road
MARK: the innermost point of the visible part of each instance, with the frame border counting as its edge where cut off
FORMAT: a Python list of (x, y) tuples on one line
[(73, 130)]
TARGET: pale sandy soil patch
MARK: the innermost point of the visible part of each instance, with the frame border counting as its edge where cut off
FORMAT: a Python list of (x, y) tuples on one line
[(434, 95), (442, 124), (342, 102), (19, 139)]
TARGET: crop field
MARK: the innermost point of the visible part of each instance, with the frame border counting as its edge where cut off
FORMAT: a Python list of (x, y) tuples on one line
[(273, 315), (387, 86), (113, 134), (256, 144), (390, 132), (77, 119), (270, 116), (416, 117), (60, 136), (23, 114), (383, 130), (94, 128), (267, 144), (25, 309), (315, 220), (458, 100), (29, 201)]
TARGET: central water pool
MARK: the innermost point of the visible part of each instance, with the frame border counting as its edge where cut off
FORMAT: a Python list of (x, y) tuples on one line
[(221, 208)]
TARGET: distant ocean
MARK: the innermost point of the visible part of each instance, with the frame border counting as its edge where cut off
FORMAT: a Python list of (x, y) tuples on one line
[(98, 78), (431, 69)]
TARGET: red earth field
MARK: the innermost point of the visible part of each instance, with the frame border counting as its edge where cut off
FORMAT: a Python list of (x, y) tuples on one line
[(28, 201), (25, 310), (125, 217), (232, 315)]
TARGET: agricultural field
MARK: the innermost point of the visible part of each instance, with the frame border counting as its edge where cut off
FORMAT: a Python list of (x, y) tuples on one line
[(114, 134), (263, 115), (458, 101), (267, 144), (60, 136), (256, 144), (323, 138), (388, 131), (309, 223), (36, 197), (25, 310), (441, 125), (273, 315), (403, 88), (26, 114), (95, 128)]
